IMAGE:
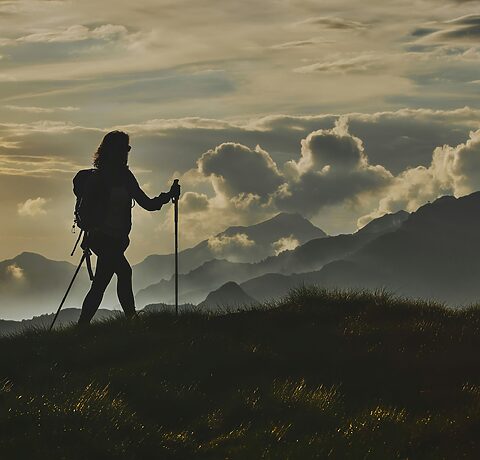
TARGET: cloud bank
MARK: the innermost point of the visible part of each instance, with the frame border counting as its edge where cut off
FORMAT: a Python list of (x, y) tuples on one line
[(338, 170)]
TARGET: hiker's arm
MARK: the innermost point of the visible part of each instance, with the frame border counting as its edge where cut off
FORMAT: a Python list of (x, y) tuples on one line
[(150, 204)]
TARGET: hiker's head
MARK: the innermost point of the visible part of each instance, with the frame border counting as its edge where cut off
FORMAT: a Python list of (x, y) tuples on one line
[(113, 151)]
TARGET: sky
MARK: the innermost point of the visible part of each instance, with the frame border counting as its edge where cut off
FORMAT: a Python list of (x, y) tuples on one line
[(339, 110)]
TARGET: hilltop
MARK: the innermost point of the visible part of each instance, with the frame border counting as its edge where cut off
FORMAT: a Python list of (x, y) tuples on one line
[(316, 374)]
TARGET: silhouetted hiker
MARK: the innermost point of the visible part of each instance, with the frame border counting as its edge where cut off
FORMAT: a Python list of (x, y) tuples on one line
[(108, 194)]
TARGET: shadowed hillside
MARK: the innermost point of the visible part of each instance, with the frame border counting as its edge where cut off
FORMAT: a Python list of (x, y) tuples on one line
[(434, 254), (318, 374)]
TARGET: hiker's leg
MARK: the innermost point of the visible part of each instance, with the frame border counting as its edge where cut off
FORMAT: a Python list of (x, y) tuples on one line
[(103, 274), (124, 285)]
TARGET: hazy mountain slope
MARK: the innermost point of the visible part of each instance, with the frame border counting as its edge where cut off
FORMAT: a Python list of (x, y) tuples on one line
[(31, 284), (316, 253), (258, 242), (281, 226), (435, 254), (195, 285)]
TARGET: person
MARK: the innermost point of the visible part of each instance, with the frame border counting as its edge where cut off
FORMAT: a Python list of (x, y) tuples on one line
[(110, 192)]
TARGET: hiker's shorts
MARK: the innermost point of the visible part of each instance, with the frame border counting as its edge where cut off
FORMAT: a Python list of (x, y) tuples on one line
[(106, 245)]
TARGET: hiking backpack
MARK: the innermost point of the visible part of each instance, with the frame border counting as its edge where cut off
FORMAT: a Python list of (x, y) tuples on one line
[(87, 214)]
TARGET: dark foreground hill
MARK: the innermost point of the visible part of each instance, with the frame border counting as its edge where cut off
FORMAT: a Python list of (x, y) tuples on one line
[(316, 375)]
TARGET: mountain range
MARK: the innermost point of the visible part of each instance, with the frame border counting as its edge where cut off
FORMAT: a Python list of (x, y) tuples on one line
[(31, 284), (237, 244), (432, 253), (312, 255)]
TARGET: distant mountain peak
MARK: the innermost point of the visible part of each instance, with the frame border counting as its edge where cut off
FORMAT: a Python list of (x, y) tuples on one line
[(293, 222), (229, 294), (26, 255)]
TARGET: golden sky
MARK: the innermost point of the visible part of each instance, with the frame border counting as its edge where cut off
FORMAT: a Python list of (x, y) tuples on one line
[(340, 110)]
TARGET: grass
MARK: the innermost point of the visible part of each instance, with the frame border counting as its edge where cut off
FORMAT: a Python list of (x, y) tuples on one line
[(318, 374)]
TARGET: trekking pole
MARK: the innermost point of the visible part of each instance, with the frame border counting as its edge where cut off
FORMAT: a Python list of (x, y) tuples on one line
[(84, 256), (175, 214), (76, 243)]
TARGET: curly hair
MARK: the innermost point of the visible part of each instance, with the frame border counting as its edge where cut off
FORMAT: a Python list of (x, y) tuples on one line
[(108, 154)]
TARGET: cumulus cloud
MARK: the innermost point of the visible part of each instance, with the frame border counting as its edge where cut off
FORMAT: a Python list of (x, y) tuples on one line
[(333, 168), (241, 173), (285, 244), (191, 202), (453, 170), (333, 171), (32, 207)]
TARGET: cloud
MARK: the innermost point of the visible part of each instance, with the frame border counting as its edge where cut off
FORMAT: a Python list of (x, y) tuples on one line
[(332, 22), (222, 243), (239, 172), (362, 63), (44, 127), (32, 207), (32, 154), (235, 248), (15, 272), (187, 123), (192, 202), (12, 7), (333, 168), (75, 33), (341, 173), (462, 29), (285, 244), (41, 109), (453, 170), (34, 165), (299, 44)]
